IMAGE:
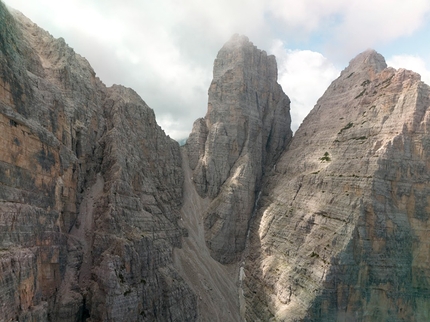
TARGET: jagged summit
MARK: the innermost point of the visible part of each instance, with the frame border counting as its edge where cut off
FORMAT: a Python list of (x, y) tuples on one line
[(104, 218), (90, 190), (239, 51), (336, 221), (237, 40), (247, 119), (367, 59)]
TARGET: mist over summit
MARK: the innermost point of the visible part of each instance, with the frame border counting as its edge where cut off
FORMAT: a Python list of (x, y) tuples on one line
[(104, 217)]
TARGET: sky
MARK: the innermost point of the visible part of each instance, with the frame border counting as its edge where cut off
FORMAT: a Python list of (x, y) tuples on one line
[(165, 49)]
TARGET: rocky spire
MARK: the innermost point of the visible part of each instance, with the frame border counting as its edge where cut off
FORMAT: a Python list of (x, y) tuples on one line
[(246, 128)]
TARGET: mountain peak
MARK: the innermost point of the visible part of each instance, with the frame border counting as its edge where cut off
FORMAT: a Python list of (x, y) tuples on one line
[(328, 225), (248, 119), (239, 53), (368, 58), (237, 39)]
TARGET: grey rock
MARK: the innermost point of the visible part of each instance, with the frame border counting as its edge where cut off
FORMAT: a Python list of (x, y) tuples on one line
[(341, 228), (91, 189), (246, 128), (105, 218)]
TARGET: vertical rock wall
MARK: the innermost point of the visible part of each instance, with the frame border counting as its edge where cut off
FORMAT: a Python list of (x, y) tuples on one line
[(90, 194), (95, 200), (341, 232), (246, 128)]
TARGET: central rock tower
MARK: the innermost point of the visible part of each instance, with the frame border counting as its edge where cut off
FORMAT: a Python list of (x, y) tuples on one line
[(246, 128)]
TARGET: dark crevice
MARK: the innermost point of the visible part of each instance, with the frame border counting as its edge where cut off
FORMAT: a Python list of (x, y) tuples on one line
[(84, 312)]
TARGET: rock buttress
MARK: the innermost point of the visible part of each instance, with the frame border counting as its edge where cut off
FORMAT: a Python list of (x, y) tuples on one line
[(90, 194), (343, 225), (246, 128)]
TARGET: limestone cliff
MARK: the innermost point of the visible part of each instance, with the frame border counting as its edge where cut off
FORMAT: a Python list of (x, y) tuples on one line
[(104, 218), (342, 231), (246, 128), (91, 189)]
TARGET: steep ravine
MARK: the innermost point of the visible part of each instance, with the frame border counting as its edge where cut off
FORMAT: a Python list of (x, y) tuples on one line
[(245, 130), (103, 217), (214, 284)]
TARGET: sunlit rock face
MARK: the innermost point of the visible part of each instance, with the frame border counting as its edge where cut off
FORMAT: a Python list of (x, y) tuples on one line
[(90, 191), (104, 218), (246, 128), (342, 231)]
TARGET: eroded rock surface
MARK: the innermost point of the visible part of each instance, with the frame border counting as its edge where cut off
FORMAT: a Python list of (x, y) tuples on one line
[(91, 189), (343, 227), (246, 128), (104, 218)]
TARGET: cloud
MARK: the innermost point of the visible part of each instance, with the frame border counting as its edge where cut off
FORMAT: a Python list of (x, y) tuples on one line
[(307, 15), (165, 49), (415, 63), (346, 28), (367, 24), (137, 46), (304, 76)]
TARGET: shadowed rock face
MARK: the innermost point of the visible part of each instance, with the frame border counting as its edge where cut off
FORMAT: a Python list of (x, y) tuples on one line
[(246, 128), (96, 201), (90, 194), (344, 218)]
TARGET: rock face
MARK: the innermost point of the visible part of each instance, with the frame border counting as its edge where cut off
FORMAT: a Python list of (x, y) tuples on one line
[(342, 230), (91, 190), (246, 128), (104, 218)]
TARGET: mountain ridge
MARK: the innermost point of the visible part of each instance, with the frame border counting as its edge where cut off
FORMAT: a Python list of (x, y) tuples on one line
[(104, 217), (341, 242)]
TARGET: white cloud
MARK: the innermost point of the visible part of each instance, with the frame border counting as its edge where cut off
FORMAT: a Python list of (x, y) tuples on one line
[(304, 76), (135, 45), (415, 63), (368, 23), (165, 49), (308, 15), (349, 27)]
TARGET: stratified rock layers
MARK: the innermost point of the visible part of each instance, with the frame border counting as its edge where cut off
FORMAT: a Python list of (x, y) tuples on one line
[(95, 200), (90, 191), (343, 230), (245, 130)]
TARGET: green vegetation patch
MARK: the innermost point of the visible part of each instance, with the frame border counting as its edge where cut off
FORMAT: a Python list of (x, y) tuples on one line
[(326, 157), (315, 254)]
